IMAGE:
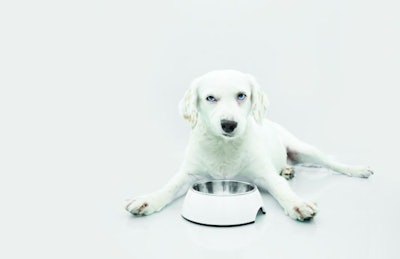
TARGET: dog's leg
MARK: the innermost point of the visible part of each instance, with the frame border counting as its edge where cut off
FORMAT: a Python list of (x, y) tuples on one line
[(294, 206), (302, 153), (153, 202), (299, 152)]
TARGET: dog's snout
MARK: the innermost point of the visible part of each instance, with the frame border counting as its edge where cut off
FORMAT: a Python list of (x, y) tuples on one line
[(228, 126)]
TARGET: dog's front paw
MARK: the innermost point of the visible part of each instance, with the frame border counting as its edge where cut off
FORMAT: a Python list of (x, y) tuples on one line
[(145, 205), (302, 211), (359, 171)]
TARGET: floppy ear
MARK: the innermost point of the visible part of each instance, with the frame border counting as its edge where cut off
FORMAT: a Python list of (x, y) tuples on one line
[(259, 100), (188, 104)]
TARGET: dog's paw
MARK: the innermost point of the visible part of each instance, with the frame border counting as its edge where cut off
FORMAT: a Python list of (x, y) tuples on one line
[(358, 171), (145, 205), (302, 211), (287, 172)]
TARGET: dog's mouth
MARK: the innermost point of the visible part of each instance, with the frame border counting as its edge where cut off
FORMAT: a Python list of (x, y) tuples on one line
[(228, 135)]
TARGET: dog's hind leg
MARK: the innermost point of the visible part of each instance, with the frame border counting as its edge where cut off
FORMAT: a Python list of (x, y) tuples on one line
[(299, 152)]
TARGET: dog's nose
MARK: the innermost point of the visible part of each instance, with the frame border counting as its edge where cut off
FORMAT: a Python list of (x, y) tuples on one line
[(228, 126)]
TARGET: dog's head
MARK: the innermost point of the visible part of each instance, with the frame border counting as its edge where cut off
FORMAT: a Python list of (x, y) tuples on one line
[(224, 100)]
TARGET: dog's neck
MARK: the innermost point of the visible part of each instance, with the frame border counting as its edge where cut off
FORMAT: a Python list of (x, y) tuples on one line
[(222, 157)]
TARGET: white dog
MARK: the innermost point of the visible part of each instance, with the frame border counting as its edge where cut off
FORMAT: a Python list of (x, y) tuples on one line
[(231, 140)]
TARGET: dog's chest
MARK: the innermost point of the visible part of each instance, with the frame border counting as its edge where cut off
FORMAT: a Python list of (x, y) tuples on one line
[(224, 162)]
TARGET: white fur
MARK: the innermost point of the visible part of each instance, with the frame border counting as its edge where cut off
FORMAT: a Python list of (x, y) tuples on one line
[(257, 151)]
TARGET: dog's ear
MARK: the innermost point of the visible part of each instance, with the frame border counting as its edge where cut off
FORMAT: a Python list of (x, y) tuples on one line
[(259, 100), (188, 104)]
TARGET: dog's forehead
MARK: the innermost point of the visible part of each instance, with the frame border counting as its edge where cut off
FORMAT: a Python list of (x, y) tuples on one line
[(224, 81)]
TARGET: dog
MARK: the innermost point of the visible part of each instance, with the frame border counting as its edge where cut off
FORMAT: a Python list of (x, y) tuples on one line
[(231, 139)]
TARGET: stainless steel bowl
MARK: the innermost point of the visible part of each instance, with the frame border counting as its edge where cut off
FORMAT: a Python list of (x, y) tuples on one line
[(222, 203), (223, 187)]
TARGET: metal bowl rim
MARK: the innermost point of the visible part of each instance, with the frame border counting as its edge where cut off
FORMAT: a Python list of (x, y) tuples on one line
[(222, 180)]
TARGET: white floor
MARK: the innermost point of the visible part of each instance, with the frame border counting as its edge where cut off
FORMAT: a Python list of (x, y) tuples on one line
[(81, 216), (353, 222)]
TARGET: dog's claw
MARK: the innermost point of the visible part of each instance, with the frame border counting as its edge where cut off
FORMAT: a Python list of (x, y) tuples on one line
[(146, 205), (303, 211)]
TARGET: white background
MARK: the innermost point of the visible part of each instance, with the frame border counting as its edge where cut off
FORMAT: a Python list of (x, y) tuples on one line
[(88, 117)]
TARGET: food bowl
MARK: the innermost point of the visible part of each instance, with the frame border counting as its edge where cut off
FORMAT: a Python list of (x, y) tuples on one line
[(222, 203)]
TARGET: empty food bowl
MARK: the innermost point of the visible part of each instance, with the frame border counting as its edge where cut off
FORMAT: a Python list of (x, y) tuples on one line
[(222, 203)]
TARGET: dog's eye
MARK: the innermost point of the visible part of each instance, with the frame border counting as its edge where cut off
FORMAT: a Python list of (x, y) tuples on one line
[(241, 96), (211, 99)]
